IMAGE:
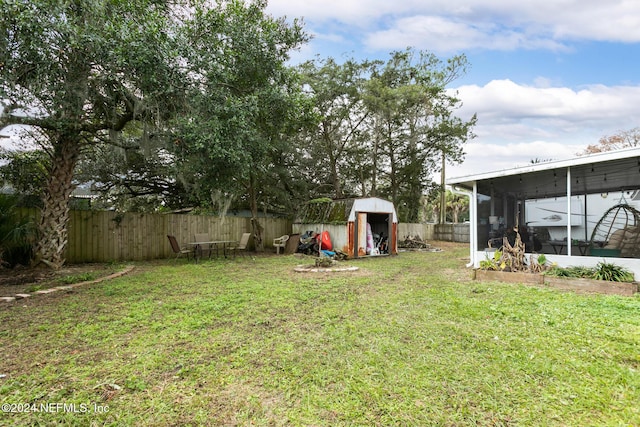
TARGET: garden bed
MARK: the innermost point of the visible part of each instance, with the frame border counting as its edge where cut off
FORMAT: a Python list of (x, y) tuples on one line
[(565, 283)]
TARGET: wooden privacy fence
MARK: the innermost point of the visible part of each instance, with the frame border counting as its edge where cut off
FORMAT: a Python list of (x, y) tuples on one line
[(446, 232), (106, 236)]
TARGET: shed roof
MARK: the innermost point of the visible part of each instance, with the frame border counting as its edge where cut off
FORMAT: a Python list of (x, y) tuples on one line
[(341, 211), (595, 173)]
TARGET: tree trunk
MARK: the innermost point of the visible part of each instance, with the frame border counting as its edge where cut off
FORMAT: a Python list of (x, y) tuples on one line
[(256, 227), (374, 171), (393, 178), (443, 194), (335, 178), (257, 230), (52, 228)]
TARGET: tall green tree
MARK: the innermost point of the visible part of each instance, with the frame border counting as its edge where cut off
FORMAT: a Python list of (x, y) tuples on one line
[(79, 71), (249, 102), (413, 124), (336, 90), (457, 206), (383, 126)]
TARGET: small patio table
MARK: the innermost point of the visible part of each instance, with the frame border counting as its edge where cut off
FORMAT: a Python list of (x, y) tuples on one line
[(558, 246), (224, 244), (212, 244), (197, 248)]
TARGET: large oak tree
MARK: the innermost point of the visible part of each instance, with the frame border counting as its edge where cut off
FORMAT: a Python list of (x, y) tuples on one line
[(76, 71), (194, 74)]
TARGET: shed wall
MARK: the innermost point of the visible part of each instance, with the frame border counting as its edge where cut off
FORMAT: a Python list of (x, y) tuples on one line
[(337, 232)]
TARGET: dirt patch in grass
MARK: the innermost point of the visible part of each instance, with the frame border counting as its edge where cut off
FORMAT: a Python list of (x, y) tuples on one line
[(22, 280)]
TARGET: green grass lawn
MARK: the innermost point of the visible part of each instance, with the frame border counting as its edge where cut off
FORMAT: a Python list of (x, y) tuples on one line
[(406, 341)]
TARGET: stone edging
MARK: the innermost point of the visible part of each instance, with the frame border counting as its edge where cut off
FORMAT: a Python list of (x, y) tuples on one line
[(67, 287), (303, 269)]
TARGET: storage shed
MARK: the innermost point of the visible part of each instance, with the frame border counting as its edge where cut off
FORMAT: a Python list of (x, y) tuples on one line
[(353, 224)]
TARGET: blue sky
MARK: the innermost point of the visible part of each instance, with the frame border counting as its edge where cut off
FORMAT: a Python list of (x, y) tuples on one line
[(547, 77)]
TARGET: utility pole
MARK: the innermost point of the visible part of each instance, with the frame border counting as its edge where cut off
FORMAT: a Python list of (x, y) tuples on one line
[(443, 198)]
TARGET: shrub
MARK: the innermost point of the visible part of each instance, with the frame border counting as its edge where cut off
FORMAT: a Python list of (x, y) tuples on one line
[(603, 271), (495, 263), (612, 272), (16, 234)]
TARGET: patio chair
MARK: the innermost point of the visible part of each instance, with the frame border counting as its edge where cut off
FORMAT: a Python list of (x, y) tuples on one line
[(205, 248), (242, 245), (280, 242), (179, 251)]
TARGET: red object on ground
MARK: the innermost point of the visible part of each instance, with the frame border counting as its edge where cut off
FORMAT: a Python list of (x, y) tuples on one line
[(325, 241)]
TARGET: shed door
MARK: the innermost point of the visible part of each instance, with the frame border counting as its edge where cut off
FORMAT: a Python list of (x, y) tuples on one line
[(360, 246)]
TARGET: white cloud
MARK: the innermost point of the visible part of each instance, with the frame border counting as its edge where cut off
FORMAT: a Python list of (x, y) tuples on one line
[(445, 26), (518, 123), (443, 35), (486, 157), (594, 105)]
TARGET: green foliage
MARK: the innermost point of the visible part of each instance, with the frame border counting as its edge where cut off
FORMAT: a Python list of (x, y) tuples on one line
[(189, 98), (232, 138), (494, 262), (557, 271), (415, 125), (602, 271), (242, 103), (33, 288), (537, 264), (612, 272), (16, 234), (77, 278), (542, 259), (456, 205), (134, 176), (24, 171), (383, 126), (162, 109), (83, 70)]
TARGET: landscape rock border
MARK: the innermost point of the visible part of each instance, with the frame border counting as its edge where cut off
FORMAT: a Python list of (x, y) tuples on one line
[(17, 297), (314, 269)]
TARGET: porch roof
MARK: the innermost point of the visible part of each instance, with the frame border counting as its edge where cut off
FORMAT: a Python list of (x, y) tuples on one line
[(590, 174)]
